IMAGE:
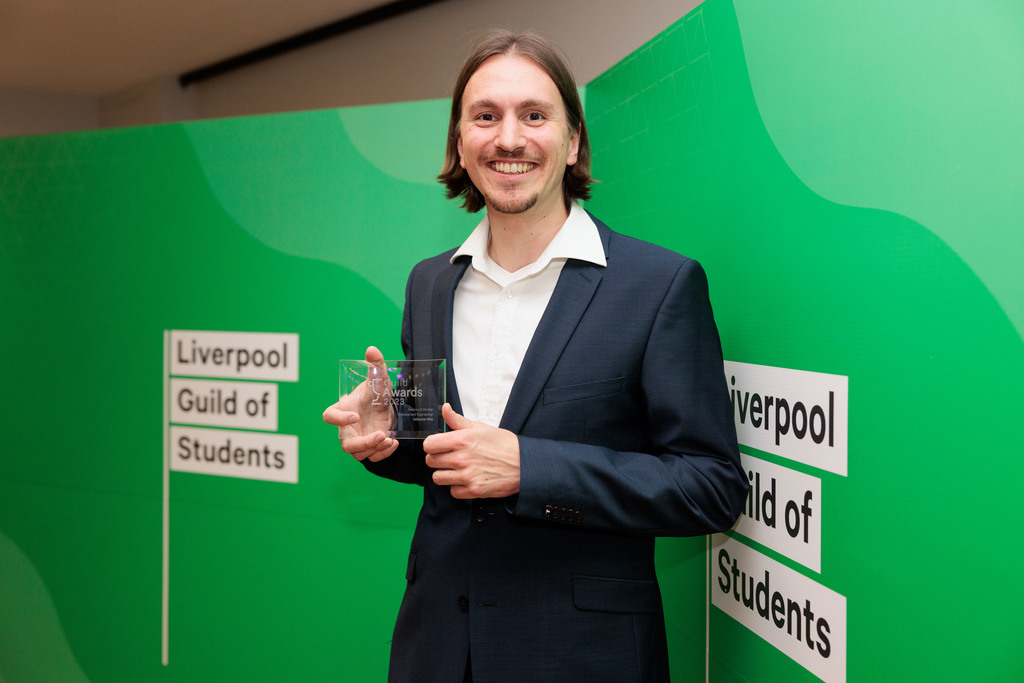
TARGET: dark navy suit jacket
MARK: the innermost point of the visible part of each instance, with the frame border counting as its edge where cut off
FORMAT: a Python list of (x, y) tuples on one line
[(626, 433)]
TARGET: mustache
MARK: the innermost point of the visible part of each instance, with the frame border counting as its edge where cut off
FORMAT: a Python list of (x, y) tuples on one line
[(516, 155)]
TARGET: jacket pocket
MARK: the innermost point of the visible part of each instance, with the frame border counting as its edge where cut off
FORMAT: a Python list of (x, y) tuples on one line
[(602, 594), (575, 392)]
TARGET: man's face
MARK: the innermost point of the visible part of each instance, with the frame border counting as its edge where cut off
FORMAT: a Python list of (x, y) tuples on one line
[(514, 139)]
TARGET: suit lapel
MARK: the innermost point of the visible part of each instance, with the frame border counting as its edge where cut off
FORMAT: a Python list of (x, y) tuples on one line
[(441, 307), (572, 295)]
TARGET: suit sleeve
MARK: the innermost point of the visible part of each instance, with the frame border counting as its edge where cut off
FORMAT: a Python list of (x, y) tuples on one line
[(685, 478)]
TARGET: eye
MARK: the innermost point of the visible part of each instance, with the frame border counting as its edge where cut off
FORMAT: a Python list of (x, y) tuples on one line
[(534, 116), (486, 117)]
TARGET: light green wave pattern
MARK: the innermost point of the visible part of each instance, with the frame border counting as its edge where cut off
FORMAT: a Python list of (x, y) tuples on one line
[(910, 107), (354, 187), (34, 646)]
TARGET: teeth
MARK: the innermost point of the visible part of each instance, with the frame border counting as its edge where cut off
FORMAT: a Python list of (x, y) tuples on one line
[(510, 167)]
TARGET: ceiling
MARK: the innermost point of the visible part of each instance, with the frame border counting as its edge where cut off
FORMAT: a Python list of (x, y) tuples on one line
[(102, 46)]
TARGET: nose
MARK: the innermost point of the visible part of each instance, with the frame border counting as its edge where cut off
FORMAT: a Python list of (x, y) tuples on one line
[(509, 135)]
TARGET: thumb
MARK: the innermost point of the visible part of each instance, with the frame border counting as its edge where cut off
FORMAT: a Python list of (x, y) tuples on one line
[(453, 419)]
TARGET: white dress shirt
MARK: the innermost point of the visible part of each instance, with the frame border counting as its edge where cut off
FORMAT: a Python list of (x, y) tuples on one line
[(496, 312)]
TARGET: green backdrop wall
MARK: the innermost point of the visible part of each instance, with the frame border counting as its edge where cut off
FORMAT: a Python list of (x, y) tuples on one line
[(850, 178)]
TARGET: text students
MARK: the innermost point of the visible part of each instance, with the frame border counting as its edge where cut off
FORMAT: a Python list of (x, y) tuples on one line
[(588, 406)]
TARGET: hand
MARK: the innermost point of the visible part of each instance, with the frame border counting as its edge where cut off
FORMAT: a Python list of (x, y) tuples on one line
[(365, 425), (476, 460)]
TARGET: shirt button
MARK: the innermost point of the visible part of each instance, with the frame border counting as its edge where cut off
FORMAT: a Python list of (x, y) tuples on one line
[(509, 294), (463, 603)]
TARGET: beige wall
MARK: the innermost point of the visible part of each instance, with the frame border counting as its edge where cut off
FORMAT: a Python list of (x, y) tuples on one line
[(23, 112), (411, 57)]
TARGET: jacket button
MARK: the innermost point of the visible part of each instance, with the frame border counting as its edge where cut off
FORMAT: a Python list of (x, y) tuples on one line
[(479, 514), (463, 603)]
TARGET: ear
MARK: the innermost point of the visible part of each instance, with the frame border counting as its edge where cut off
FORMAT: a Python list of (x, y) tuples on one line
[(458, 146), (574, 148)]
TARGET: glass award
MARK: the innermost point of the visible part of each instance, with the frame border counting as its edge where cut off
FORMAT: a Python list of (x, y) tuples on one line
[(400, 397)]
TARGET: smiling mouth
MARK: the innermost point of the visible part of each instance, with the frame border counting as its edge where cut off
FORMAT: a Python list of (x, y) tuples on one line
[(512, 167)]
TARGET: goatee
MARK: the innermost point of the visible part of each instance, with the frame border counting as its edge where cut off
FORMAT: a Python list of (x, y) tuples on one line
[(512, 205)]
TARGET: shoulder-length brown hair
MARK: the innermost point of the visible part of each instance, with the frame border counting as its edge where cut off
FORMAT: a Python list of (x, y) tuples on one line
[(576, 181)]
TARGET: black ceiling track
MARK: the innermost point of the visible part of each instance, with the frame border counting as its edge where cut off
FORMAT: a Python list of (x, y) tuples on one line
[(356, 21)]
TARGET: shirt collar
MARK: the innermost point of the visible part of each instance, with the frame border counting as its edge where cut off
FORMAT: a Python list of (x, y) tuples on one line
[(578, 238)]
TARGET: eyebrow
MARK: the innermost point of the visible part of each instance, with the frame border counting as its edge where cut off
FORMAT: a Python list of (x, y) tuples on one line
[(525, 104)]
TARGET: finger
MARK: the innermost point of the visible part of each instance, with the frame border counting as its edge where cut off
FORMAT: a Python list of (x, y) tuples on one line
[(362, 446), (384, 450), (376, 454), (373, 355), (450, 478), (377, 369), (439, 461), (342, 418), (458, 488), (378, 383), (461, 492), (453, 419), (441, 442)]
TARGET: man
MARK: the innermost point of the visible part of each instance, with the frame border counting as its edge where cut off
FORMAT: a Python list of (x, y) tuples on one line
[(588, 407)]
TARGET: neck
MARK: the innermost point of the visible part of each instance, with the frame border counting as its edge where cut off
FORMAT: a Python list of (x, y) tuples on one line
[(517, 240)]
